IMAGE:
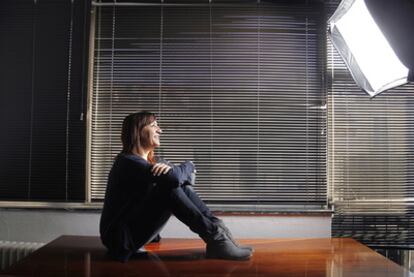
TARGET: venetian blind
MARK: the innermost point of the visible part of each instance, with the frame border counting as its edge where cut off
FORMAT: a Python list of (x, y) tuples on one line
[(371, 150), (237, 87), (42, 141)]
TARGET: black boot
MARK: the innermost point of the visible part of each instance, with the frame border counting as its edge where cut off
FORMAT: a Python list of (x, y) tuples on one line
[(221, 225), (219, 246)]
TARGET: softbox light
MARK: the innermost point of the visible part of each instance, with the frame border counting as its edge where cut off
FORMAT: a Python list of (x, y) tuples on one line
[(373, 63)]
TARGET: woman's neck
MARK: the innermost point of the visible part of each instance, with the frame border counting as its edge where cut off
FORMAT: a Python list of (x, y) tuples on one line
[(143, 153)]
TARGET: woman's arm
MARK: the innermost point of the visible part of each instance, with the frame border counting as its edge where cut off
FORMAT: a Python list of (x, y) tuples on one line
[(173, 175)]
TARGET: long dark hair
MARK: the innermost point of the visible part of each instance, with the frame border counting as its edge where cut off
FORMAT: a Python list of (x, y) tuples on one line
[(131, 132)]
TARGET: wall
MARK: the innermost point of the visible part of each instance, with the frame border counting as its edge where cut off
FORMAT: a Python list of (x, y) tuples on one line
[(44, 226)]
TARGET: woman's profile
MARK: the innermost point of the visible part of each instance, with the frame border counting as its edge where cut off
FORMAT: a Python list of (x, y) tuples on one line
[(143, 192)]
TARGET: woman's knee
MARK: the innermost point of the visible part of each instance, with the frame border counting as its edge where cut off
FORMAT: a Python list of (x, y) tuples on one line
[(176, 193)]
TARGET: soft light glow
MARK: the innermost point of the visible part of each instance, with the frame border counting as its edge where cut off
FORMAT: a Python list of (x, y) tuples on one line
[(370, 50)]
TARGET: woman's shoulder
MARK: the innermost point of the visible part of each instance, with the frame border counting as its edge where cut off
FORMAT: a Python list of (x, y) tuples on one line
[(129, 169), (131, 159)]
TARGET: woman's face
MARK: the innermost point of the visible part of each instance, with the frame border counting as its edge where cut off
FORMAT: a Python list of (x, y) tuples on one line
[(151, 135)]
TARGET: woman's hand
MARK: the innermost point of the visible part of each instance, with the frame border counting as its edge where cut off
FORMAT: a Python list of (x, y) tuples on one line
[(160, 168)]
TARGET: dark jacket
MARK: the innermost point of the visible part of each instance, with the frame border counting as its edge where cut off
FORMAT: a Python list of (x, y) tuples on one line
[(129, 180)]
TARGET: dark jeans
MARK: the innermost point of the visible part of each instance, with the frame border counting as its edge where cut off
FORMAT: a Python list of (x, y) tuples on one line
[(147, 218)]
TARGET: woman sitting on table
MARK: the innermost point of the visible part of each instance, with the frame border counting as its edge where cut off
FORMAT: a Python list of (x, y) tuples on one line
[(143, 193)]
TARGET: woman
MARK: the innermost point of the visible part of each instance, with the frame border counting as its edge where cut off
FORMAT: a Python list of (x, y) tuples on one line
[(142, 194)]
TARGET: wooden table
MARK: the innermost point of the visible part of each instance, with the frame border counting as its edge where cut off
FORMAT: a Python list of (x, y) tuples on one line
[(86, 256)]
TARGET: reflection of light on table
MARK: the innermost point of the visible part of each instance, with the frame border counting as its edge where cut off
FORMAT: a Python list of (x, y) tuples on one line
[(86, 256)]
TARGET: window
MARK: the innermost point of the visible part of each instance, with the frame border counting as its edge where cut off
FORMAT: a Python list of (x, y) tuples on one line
[(238, 89), (371, 145), (42, 142)]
